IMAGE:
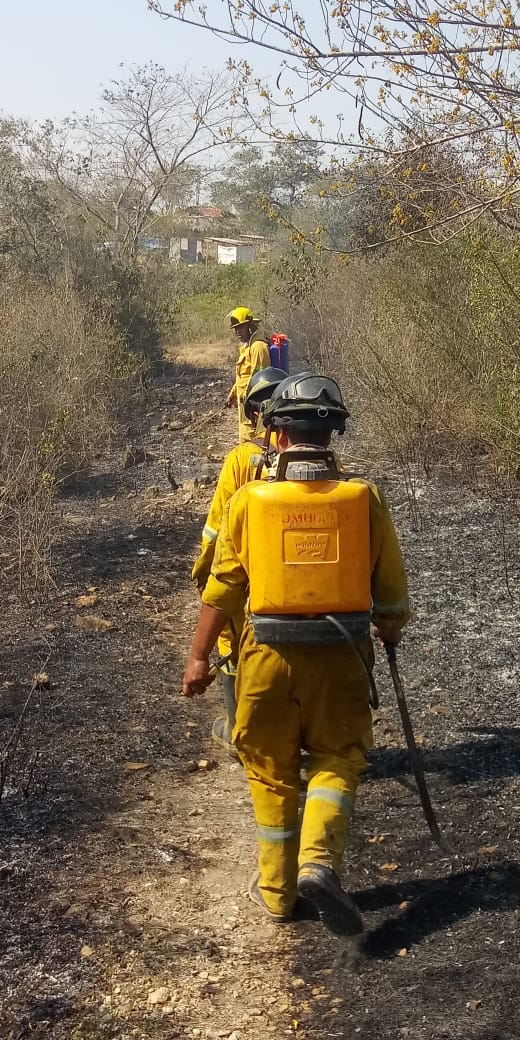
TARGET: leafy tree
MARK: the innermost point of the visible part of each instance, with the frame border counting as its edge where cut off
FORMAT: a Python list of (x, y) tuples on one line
[(29, 216), (136, 156), (256, 182), (437, 75)]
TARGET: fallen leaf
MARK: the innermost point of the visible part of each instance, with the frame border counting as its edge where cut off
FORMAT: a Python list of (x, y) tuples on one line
[(419, 739), (377, 839), (488, 849), (93, 623), (405, 904), (86, 951), (390, 867), (40, 679), (439, 709), (474, 1003), (88, 600), (132, 767), (402, 952)]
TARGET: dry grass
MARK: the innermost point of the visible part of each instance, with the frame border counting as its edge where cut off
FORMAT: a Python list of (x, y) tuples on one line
[(60, 368), (426, 376)]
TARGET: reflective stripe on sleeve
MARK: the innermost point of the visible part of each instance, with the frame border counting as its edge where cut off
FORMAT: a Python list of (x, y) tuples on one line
[(209, 533), (275, 834)]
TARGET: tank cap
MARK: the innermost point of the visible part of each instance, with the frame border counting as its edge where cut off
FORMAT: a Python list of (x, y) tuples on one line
[(308, 471)]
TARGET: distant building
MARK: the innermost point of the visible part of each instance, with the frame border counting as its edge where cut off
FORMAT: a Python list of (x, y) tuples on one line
[(188, 249), (201, 218), (154, 243), (228, 250)]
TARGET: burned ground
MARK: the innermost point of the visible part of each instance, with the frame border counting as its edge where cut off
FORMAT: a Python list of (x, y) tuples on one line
[(124, 865)]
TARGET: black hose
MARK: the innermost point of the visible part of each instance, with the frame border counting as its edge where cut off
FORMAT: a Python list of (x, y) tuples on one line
[(374, 696)]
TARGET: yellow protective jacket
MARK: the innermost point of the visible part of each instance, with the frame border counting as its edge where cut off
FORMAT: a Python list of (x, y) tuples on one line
[(226, 587), (253, 356), (239, 467)]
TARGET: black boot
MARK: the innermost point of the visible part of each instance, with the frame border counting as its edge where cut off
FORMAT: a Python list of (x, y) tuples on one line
[(322, 887)]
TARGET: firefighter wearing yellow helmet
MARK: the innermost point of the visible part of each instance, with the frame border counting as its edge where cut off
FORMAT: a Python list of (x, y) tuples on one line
[(242, 464), (253, 355), (320, 559)]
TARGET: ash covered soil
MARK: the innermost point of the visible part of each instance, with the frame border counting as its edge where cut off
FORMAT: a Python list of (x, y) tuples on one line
[(124, 865)]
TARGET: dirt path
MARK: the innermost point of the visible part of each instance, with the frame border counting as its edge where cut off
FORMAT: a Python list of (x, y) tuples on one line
[(122, 884)]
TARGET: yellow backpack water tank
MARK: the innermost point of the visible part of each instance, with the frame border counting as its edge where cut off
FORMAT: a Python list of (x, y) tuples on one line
[(310, 547)]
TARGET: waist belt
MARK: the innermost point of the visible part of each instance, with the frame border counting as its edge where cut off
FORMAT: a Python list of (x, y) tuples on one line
[(311, 631)]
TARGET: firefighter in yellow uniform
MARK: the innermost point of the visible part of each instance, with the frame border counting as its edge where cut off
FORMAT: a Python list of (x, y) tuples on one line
[(253, 355), (330, 565), (241, 465)]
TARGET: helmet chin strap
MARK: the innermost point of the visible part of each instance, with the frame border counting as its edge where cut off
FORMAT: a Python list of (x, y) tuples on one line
[(264, 461)]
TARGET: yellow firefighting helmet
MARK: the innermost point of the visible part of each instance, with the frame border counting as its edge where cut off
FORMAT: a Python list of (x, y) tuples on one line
[(242, 316)]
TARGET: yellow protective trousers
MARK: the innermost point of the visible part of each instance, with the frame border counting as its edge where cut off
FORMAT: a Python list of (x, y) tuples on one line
[(288, 698)]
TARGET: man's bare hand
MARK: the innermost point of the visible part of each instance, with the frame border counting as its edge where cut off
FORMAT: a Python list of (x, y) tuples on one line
[(231, 398), (197, 677)]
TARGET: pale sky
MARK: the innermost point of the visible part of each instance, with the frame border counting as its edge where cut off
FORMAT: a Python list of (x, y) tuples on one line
[(56, 54)]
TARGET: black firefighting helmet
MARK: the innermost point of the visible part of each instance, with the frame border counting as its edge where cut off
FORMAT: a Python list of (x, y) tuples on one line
[(260, 388), (307, 402)]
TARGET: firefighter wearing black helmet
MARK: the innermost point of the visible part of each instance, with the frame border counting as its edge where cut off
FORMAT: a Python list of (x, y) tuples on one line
[(242, 464), (330, 555)]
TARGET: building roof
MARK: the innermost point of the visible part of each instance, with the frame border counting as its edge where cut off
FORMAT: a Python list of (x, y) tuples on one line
[(211, 212), (226, 241)]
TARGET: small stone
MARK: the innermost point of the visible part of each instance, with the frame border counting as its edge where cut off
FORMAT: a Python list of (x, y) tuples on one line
[(100, 919), (159, 996), (133, 456), (298, 983), (203, 763), (168, 1009), (41, 679), (74, 910), (60, 904), (86, 951)]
